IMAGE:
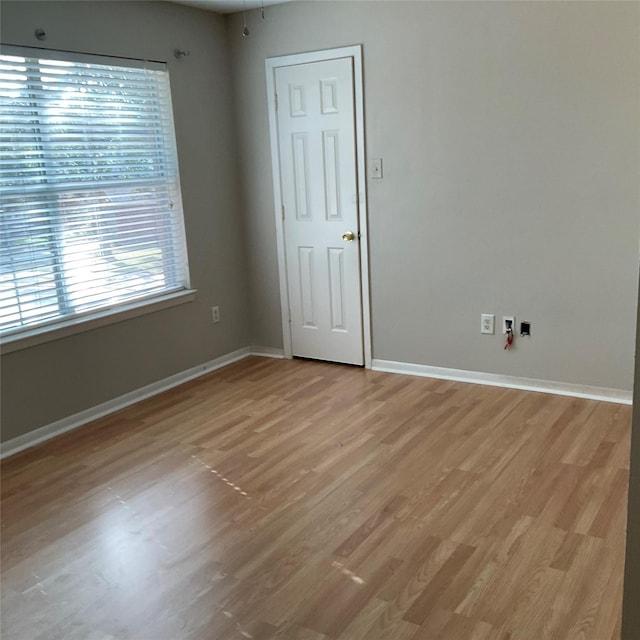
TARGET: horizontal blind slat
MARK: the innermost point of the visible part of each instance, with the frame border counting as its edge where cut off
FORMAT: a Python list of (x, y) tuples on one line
[(91, 210)]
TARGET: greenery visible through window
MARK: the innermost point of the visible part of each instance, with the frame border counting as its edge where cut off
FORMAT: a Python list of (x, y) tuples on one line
[(91, 215)]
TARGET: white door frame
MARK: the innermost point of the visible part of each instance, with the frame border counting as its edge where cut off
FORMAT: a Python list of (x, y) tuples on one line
[(354, 52)]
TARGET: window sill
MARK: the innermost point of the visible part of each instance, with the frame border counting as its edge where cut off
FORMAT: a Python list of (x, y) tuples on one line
[(33, 337)]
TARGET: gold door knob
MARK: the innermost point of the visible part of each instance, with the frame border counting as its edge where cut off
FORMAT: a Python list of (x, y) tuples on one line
[(348, 236)]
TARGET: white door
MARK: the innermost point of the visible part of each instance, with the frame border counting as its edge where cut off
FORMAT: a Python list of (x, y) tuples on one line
[(319, 187)]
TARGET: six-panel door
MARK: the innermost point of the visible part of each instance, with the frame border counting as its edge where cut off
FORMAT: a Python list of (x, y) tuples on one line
[(316, 136)]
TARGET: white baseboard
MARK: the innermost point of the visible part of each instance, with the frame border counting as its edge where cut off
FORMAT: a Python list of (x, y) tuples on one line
[(265, 352), (511, 382), (59, 427)]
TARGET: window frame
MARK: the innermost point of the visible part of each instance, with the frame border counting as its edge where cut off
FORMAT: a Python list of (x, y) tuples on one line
[(63, 326)]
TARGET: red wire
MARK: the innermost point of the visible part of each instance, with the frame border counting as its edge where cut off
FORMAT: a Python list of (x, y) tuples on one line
[(509, 341)]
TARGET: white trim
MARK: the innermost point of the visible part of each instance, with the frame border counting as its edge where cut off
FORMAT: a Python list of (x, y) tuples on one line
[(265, 352), (361, 166), (511, 382), (78, 324), (277, 203), (59, 427), (271, 64), (37, 436)]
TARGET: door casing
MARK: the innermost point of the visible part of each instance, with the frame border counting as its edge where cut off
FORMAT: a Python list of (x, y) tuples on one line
[(271, 64)]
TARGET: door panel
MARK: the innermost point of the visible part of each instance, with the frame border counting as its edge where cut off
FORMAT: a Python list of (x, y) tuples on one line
[(317, 153)]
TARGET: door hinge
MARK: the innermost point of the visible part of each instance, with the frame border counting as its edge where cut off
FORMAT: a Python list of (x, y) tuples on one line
[(276, 101), (283, 212)]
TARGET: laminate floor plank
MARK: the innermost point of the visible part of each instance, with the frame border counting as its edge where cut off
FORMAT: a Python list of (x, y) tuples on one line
[(300, 500)]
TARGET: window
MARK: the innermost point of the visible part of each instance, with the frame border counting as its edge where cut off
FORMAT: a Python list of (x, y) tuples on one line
[(90, 208)]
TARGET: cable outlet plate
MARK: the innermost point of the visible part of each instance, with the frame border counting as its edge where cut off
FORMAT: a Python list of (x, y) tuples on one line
[(487, 323), (509, 322)]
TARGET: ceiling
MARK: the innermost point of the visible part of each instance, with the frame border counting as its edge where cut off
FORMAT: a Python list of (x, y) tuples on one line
[(228, 6)]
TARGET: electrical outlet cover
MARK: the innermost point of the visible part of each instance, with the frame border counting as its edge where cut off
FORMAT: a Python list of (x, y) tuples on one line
[(487, 323)]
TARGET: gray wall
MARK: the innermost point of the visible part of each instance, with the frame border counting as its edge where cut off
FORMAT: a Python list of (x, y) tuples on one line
[(510, 136), (510, 139), (631, 611), (57, 379)]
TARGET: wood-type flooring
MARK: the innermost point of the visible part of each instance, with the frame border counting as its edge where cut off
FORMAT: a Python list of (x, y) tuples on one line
[(296, 500)]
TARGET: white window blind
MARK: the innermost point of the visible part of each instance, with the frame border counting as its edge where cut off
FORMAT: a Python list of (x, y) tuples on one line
[(91, 215)]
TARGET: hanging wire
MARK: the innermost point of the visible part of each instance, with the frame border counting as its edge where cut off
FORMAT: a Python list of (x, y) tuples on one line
[(262, 9), (245, 30)]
